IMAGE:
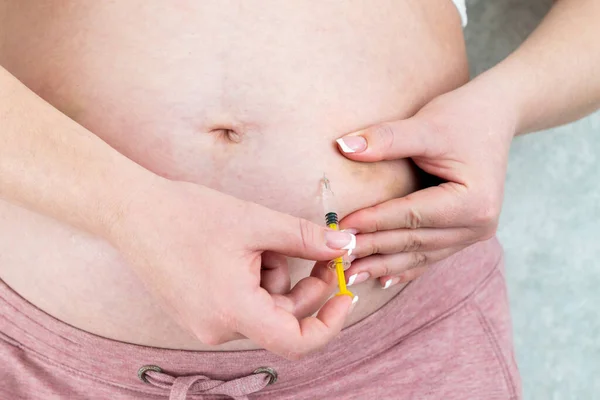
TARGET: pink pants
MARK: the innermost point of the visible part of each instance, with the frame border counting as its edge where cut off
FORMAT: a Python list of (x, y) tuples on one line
[(447, 335)]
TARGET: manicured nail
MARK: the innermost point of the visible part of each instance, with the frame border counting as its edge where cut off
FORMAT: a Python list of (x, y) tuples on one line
[(351, 280), (351, 230), (350, 246), (351, 258), (391, 282), (358, 278), (340, 240), (352, 144), (354, 301)]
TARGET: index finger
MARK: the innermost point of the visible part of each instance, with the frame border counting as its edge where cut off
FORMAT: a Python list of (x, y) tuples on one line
[(278, 331), (441, 206)]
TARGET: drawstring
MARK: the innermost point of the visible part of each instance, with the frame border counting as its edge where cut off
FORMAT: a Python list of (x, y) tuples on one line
[(199, 384)]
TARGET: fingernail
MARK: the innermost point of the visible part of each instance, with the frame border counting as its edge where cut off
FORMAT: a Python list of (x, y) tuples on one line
[(351, 280), (358, 278), (350, 246), (354, 301), (340, 240), (351, 230), (351, 258), (390, 282), (352, 144)]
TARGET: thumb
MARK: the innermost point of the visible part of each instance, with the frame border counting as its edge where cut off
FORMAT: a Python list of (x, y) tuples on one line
[(297, 237), (388, 141)]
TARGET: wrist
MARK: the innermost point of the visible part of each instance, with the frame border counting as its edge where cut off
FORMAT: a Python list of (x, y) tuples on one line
[(122, 201), (150, 204), (511, 88), (495, 102)]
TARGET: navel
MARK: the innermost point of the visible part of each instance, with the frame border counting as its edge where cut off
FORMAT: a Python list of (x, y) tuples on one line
[(227, 134)]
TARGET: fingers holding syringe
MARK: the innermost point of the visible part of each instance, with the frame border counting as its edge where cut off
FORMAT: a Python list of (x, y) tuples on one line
[(297, 237), (279, 331), (310, 293)]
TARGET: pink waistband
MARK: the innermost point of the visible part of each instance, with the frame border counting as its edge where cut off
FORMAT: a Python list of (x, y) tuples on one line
[(446, 285)]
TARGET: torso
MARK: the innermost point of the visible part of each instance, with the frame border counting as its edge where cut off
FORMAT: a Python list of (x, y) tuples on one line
[(246, 98)]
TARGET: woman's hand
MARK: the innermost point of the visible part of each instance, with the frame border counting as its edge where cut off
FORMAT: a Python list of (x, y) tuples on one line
[(462, 137), (217, 264)]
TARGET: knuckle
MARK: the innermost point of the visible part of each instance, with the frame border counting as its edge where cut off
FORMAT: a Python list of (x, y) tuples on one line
[(373, 216), (413, 219), (385, 268), (488, 208), (372, 247), (307, 234), (489, 232), (418, 260), (367, 220), (384, 135), (487, 215), (413, 242), (435, 126), (435, 136)]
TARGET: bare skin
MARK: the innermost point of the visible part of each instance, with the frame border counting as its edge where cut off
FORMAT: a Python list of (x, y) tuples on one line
[(133, 226), (253, 113), (464, 136)]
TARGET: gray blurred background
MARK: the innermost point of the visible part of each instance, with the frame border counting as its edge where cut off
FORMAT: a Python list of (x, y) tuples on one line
[(550, 226)]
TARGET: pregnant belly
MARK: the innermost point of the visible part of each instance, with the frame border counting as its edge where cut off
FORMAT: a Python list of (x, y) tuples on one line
[(247, 101)]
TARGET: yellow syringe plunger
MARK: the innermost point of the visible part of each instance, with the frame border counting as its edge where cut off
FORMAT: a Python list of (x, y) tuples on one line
[(331, 219)]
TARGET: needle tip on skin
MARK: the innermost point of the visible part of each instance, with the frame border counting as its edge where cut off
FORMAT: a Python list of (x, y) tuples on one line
[(325, 182)]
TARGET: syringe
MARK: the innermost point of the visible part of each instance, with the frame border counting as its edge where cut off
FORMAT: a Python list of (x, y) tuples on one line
[(331, 219)]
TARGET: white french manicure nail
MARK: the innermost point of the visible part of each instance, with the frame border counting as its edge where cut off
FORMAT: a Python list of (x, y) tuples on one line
[(344, 146), (388, 283), (353, 304), (351, 280), (350, 246)]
